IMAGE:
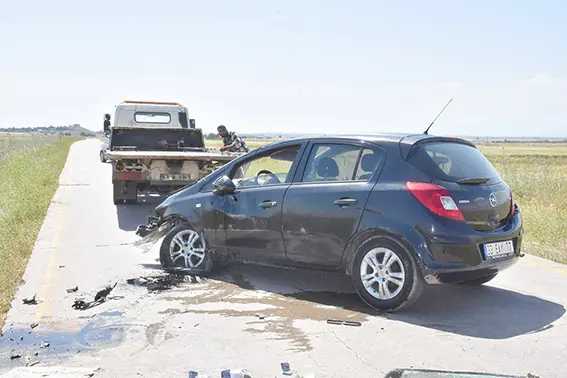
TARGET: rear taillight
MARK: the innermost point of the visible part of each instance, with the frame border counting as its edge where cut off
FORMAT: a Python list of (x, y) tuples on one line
[(436, 198), (512, 205)]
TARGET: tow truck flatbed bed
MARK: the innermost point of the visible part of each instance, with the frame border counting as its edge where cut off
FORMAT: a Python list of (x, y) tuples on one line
[(171, 155)]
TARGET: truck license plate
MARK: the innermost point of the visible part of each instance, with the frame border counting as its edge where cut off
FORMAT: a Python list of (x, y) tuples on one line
[(174, 177), (500, 249)]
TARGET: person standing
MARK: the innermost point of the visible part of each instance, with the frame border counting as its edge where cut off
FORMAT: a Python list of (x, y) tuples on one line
[(232, 142)]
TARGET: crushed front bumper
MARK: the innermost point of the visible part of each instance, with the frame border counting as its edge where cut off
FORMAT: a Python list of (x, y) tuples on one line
[(155, 229)]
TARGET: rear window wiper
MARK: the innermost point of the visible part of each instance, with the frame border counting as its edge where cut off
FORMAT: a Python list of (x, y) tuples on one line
[(472, 181)]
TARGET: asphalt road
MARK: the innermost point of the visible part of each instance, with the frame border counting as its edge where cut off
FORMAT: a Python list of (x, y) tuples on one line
[(253, 317)]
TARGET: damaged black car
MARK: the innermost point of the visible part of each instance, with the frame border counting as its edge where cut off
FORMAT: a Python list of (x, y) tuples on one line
[(393, 211)]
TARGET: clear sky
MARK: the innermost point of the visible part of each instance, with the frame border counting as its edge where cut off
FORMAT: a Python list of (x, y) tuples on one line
[(291, 66)]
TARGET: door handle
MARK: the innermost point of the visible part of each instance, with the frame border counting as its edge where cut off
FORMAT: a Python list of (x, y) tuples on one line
[(345, 202), (267, 204)]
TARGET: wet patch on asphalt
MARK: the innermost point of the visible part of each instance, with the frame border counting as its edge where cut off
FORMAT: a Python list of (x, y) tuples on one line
[(273, 313), (35, 345)]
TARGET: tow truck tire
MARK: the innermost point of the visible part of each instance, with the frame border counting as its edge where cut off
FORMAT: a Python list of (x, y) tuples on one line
[(172, 254)]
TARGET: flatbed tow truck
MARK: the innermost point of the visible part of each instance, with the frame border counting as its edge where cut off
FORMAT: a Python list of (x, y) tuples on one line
[(154, 147)]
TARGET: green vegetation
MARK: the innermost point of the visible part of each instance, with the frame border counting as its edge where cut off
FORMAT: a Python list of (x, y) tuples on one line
[(538, 177), (29, 179)]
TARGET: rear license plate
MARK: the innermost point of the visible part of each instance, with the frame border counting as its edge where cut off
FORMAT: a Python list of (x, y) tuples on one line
[(174, 177), (500, 249)]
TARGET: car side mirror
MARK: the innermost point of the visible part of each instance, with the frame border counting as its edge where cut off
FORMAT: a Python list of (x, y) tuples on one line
[(224, 185), (192, 123)]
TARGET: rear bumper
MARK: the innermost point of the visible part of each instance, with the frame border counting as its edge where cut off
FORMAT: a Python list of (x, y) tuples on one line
[(452, 259)]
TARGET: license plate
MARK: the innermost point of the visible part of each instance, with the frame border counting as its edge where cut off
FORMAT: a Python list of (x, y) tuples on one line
[(163, 177), (500, 249)]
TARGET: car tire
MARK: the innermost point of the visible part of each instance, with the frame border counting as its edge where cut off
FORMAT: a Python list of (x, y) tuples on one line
[(102, 157), (181, 241), (388, 285), (478, 281)]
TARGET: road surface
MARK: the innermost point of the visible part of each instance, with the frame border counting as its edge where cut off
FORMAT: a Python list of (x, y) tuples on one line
[(253, 317)]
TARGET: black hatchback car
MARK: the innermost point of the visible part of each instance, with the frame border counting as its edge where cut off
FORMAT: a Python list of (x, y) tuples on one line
[(393, 211)]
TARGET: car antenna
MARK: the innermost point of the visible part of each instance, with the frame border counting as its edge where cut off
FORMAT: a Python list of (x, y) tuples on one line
[(442, 110)]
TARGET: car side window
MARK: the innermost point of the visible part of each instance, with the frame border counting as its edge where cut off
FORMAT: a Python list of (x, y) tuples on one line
[(271, 168), (369, 161), (331, 162)]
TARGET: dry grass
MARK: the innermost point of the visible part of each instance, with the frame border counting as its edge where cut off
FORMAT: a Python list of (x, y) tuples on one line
[(11, 143), (29, 180), (539, 186)]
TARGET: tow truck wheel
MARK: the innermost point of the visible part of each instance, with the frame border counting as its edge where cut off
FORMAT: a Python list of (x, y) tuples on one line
[(184, 250)]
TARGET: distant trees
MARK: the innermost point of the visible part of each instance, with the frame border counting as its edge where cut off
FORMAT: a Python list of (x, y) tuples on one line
[(211, 136)]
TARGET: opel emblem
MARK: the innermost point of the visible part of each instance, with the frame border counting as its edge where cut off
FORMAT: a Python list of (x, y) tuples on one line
[(492, 199)]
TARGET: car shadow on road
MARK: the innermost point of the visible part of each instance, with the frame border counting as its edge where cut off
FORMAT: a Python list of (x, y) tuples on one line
[(132, 215), (484, 312)]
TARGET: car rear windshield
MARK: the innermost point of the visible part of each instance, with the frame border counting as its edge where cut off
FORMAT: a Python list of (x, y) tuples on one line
[(452, 162)]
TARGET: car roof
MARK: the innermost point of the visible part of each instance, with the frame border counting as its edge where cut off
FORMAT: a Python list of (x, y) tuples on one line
[(402, 138)]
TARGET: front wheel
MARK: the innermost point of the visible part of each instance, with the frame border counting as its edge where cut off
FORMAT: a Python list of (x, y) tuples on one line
[(184, 249), (385, 274), (102, 157)]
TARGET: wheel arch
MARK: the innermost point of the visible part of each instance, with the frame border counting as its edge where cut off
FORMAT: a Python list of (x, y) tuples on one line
[(371, 233)]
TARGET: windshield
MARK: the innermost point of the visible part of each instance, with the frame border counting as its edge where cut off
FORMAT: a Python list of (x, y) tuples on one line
[(452, 162)]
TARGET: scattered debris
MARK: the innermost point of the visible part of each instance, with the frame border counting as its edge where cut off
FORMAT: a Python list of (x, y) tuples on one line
[(236, 373), (162, 282), (61, 266), (36, 353), (22, 338), (30, 301), (15, 356), (33, 325), (193, 374), (286, 370), (530, 375), (44, 344), (344, 322), (80, 304), (260, 316), (73, 289), (33, 363), (102, 294), (100, 297)]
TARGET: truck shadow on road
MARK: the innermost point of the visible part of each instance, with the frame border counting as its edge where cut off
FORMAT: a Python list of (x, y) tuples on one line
[(484, 312), (131, 215)]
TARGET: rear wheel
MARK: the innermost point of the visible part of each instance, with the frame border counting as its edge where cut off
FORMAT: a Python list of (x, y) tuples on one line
[(385, 274), (184, 249), (478, 281)]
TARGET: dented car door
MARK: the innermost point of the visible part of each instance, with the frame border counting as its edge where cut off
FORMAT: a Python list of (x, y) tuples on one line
[(324, 205), (253, 221)]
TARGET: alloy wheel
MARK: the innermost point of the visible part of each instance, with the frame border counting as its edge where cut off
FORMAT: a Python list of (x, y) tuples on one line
[(382, 273), (187, 249)]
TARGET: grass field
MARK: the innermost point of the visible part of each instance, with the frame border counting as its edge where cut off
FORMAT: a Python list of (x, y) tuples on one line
[(537, 173), (13, 142), (28, 181), (538, 177)]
